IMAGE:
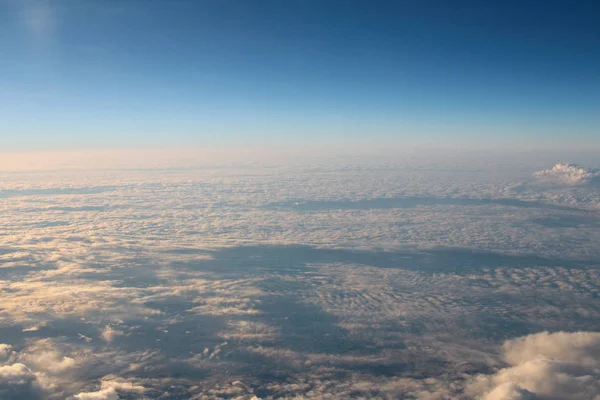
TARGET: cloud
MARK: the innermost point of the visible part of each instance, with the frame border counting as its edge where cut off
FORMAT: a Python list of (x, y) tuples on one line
[(378, 302), (6, 352), (546, 365), (17, 381), (568, 174), (35, 327), (103, 394), (17, 374), (109, 334), (509, 391), (578, 347), (249, 331), (44, 356), (116, 383)]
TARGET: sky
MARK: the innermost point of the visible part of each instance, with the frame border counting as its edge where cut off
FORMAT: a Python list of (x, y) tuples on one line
[(134, 74)]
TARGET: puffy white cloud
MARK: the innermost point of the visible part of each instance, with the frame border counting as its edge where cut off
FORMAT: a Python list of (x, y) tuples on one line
[(509, 391), (103, 394), (6, 352), (577, 347), (548, 366), (17, 374), (109, 333), (121, 384), (569, 174), (44, 356), (17, 381)]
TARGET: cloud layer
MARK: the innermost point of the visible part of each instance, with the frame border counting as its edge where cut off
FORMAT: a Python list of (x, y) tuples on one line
[(331, 281)]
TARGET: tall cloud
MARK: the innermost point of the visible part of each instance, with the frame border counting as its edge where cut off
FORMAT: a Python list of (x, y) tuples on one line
[(568, 174)]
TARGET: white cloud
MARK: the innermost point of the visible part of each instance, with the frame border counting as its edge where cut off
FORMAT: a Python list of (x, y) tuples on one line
[(249, 331), (16, 374), (6, 352), (44, 356), (103, 394), (549, 366), (578, 347), (17, 381), (109, 334), (34, 327), (121, 384), (569, 174), (509, 391)]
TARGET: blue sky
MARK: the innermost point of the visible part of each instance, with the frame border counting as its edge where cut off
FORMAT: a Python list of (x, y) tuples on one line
[(158, 73)]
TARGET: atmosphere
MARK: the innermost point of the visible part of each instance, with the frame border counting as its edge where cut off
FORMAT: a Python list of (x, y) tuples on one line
[(139, 74)]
